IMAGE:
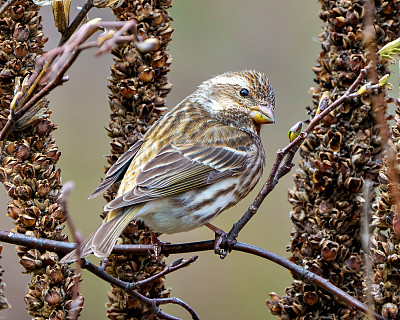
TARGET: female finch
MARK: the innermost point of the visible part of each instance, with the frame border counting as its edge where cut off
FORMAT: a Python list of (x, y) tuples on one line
[(201, 158)]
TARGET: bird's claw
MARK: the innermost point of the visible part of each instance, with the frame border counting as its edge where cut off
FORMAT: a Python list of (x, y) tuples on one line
[(157, 246), (222, 245), (217, 246)]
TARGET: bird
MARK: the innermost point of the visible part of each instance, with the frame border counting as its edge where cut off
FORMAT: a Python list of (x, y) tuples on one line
[(201, 158)]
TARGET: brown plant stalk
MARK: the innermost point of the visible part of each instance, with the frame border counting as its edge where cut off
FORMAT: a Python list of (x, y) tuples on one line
[(28, 165), (138, 86)]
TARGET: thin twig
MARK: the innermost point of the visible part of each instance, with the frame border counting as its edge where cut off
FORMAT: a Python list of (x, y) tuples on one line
[(37, 77), (65, 247), (176, 265), (129, 287), (80, 17), (377, 103), (73, 312)]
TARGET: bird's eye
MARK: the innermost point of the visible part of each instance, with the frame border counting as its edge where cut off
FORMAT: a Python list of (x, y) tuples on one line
[(244, 92)]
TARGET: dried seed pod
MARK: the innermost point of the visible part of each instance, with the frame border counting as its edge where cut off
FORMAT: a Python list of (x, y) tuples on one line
[(57, 315), (310, 295), (53, 296), (55, 273), (32, 302), (145, 74), (390, 311), (61, 14)]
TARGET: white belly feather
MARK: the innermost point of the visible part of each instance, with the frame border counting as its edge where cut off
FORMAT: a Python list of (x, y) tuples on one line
[(185, 212)]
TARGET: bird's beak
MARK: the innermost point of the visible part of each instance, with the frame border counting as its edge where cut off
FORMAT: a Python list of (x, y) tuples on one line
[(262, 114)]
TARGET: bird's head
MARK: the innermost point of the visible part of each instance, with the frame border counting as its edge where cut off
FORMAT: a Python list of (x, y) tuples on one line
[(238, 98)]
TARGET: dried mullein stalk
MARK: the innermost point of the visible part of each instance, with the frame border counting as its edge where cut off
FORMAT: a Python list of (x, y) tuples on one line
[(336, 158), (385, 250), (28, 169), (138, 86)]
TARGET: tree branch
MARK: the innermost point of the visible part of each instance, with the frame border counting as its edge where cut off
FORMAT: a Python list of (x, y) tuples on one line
[(65, 247)]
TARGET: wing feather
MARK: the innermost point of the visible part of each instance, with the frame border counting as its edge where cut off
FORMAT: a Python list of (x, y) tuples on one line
[(117, 169), (179, 167)]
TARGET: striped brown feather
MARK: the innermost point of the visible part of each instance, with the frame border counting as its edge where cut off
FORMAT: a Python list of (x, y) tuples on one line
[(118, 169), (177, 172)]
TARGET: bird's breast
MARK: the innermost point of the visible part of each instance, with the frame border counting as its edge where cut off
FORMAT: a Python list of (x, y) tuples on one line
[(194, 208)]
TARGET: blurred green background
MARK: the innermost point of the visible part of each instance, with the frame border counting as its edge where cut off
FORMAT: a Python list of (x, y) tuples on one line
[(210, 37)]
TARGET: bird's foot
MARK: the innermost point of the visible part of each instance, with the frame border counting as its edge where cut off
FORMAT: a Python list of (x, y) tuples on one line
[(103, 263), (220, 236)]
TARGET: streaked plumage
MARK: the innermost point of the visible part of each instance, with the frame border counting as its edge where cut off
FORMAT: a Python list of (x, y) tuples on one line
[(201, 158)]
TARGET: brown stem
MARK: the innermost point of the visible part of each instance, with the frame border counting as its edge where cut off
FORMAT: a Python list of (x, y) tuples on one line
[(65, 247), (81, 16)]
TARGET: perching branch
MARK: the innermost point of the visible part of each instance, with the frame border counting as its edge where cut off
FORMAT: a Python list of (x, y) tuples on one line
[(65, 247)]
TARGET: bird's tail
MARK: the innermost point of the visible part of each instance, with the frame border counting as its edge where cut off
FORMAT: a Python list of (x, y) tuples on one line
[(102, 241), (84, 250)]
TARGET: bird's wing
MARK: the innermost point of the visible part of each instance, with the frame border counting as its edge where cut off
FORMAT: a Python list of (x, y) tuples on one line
[(117, 169), (180, 167)]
